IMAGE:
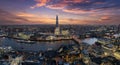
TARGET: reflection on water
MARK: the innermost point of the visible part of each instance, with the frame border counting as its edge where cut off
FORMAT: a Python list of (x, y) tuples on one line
[(38, 46)]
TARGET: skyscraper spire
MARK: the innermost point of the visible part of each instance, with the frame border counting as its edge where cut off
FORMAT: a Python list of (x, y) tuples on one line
[(57, 29), (57, 22)]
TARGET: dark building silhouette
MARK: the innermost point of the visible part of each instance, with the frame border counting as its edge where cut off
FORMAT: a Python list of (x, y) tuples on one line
[(119, 28), (57, 22)]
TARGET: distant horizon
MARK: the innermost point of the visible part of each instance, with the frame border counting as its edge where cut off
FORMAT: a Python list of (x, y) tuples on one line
[(59, 24)]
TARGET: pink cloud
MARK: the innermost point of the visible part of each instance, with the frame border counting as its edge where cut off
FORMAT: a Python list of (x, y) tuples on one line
[(76, 6), (75, 1), (104, 18), (57, 6), (60, 5), (78, 11), (40, 3)]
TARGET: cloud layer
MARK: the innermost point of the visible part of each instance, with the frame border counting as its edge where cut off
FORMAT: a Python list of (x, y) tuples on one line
[(77, 11), (9, 18), (78, 6)]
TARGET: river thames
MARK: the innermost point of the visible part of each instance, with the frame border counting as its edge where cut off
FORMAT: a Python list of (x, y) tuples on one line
[(41, 46), (36, 46)]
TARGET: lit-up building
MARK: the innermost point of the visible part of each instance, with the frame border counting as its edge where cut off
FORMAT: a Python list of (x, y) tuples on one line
[(58, 34), (57, 29)]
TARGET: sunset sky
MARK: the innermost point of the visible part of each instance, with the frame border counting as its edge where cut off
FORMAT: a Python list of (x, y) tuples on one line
[(91, 12)]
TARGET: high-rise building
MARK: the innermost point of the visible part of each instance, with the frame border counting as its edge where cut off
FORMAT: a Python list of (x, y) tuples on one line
[(57, 23), (57, 29)]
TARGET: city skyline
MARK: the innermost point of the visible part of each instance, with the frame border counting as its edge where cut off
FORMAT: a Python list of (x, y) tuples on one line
[(91, 12)]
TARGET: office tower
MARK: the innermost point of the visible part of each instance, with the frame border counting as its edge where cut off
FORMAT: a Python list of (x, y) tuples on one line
[(57, 29)]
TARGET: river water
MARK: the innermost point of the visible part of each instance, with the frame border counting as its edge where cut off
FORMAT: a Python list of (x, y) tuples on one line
[(41, 46), (36, 47)]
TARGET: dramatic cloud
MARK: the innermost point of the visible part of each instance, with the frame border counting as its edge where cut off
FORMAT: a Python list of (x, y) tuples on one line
[(47, 20), (109, 19), (79, 6), (18, 18), (40, 3), (8, 18), (36, 19), (92, 19), (22, 14), (105, 18), (28, 18)]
